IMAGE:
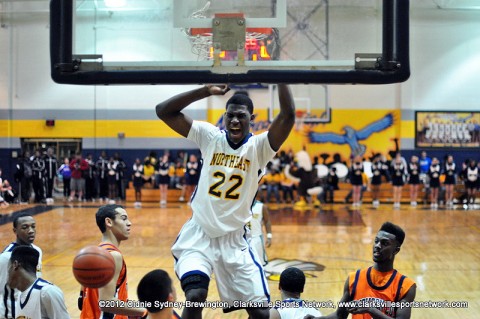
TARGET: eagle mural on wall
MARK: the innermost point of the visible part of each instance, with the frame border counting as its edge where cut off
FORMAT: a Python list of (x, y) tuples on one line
[(351, 136)]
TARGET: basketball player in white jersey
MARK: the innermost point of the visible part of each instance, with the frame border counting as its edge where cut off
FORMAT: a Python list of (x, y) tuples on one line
[(24, 227), (292, 282), (38, 298), (213, 240), (260, 217)]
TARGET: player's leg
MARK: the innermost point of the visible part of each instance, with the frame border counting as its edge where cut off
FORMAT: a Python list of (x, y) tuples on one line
[(239, 275), (258, 244), (193, 266)]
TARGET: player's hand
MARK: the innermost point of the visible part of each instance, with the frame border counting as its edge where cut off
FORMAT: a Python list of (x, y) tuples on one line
[(268, 243), (358, 310), (217, 89)]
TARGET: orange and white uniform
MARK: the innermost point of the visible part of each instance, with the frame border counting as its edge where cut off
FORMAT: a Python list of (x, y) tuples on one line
[(378, 288), (90, 308)]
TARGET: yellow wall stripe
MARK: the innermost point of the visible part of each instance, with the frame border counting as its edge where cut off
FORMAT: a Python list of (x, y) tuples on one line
[(86, 128)]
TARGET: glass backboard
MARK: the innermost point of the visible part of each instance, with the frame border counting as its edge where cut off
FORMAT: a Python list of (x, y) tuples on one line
[(229, 41)]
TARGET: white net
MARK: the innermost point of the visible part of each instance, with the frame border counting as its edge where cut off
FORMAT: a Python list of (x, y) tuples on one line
[(202, 43)]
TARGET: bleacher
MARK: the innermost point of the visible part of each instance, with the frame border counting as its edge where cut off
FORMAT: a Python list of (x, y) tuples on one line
[(153, 195)]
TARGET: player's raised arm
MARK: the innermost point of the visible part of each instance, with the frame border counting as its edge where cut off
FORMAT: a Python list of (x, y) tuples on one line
[(283, 122), (170, 111)]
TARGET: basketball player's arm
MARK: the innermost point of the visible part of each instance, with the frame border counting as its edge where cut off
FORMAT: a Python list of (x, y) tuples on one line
[(170, 111), (268, 226), (283, 122), (107, 293), (341, 312)]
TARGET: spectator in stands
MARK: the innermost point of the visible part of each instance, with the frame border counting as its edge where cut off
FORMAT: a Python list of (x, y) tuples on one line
[(287, 185), (77, 183), (7, 194), (148, 174), (38, 176), (102, 173), (163, 179), (121, 169), (90, 175), (434, 174), (112, 180), (379, 170), (192, 175), (425, 163), (471, 174), (449, 170), (137, 182), (398, 172), (51, 166), (413, 179), (331, 185), (23, 176), (272, 180), (66, 173), (355, 176)]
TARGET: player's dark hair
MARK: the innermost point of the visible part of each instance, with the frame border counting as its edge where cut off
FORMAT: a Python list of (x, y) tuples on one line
[(241, 99), (18, 216), (154, 286), (394, 230), (26, 256), (292, 280), (104, 212)]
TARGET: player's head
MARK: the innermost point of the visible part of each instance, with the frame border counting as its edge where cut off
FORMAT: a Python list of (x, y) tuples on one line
[(155, 288), (292, 280), (114, 218), (23, 257), (388, 241), (238, 117), (24, 227)]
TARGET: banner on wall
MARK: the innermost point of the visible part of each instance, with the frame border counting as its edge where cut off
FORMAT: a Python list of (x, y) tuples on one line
[(447, 129), (350, 133)]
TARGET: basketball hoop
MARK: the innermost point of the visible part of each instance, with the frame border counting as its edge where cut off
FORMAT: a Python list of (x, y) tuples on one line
[(255, 41), (300, 117)]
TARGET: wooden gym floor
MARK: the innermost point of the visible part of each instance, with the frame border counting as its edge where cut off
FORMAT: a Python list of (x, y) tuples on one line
[(441, 251)]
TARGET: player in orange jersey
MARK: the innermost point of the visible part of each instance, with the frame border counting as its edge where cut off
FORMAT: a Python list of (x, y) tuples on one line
[(108, 301), (371, 291)]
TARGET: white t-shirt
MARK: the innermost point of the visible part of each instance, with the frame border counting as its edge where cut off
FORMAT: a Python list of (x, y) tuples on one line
[(8, 295), (229, 178), (42, 300), (296, 311)]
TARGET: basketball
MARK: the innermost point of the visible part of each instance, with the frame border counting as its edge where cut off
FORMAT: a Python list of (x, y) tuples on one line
[(93, 267)]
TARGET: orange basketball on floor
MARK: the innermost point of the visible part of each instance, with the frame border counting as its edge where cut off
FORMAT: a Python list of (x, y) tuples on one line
[(93, 267)]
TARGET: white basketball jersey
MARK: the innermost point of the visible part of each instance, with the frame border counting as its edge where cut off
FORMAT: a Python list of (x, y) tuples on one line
[(229, 178), (29, 303), (296, 311), (257, 218), (8, 295)]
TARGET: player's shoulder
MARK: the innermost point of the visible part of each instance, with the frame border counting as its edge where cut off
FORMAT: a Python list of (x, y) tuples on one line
[(9, 248), (49, 290), (202, 125), (407, 281), (37, 248)]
